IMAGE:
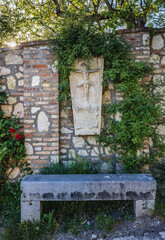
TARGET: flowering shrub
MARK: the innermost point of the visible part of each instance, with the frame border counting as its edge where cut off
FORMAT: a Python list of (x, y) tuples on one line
[(12, 149)]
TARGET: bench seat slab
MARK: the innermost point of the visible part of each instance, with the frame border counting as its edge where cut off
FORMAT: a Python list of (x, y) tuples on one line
[(141, 188)]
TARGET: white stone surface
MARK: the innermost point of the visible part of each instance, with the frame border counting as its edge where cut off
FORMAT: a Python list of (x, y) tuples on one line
[(20, 83), (11, 82), (3, 88), (13, 173), (118, 116), (54, 159), (107, 151), (162, 234), (72, 154), (54, 67), (143, 207), (86, 94), (4, 71), (43, 122), (94, 236), (29, 149), (21, 69), (91, 140), (146, 39), (83, 153), (155, 58), (35, 81), (158, 78), (13, 59), (65, 130), (7, 109), (95, 152), (106, 168), (125, 238), (157, 42), (34, 109), (161, 129), (19, 75), (106, 97), (19, 110), (163, 60), (11, 100), (78, 142)]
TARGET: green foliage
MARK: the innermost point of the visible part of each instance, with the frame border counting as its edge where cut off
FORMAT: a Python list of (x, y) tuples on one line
[(31, 230), (10, 213), (105, 222), (141, 111), (10, 202), (76, 167), (80, 42), (158, 172), (47, 16), (12, 149), (141, 107), (72, 225)]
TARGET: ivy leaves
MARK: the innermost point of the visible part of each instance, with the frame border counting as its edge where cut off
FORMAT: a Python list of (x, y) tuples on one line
[(140, 108)]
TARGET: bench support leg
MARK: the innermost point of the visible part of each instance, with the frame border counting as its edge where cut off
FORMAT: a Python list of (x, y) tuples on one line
[(31, 210), (143, 207)]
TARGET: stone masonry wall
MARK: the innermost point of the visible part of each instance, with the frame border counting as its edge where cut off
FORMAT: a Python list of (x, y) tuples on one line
[(31, 83), (31, 80)]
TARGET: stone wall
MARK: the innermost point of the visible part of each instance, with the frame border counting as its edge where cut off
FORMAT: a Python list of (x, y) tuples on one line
[(30, 77), (31, 83)]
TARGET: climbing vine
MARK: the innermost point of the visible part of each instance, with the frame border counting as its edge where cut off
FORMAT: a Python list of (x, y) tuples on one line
[(140, 108)]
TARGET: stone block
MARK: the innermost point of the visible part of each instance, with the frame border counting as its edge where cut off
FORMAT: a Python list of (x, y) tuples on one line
[(11, 82), (78, 142), (7, 109), (86, 94), (146, 38), (157, 42), (11, 100), (43, 122), (19, 110), (86, 187), (13, 59), (4, 71), (29, 149), (144, 207), (31, 210), (35, 81)]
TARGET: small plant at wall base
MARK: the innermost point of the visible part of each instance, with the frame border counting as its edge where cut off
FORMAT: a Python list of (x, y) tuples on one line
[(12, 149), (134, 139)]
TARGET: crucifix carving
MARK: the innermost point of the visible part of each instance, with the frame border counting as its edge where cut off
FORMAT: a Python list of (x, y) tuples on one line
[(85, 82), (86, 94)]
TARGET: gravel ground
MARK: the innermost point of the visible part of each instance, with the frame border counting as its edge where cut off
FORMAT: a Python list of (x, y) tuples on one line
[(146, 228)]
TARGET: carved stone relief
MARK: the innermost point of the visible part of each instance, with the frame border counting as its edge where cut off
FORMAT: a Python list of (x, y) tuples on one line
[(86, 93)]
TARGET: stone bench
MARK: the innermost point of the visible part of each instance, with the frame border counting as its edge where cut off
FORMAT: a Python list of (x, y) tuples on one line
[(141, 188)]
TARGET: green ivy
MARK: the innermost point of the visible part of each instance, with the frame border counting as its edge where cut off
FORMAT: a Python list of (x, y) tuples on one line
[(141, 107)]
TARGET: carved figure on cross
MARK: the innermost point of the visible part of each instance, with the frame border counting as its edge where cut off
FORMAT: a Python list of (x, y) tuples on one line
[(85, 82)]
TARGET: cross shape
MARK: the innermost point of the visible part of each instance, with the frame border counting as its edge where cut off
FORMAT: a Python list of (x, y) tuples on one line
[(85, 82)]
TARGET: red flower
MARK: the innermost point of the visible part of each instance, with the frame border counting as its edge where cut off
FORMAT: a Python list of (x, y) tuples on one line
[(18, 137), (12, 130), (9, 117)]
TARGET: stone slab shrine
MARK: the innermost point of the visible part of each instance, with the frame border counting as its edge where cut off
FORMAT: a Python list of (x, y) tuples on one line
[(30, 78)]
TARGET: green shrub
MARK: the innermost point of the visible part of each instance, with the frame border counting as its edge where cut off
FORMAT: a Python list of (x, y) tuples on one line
[(10, 195), (31, 230), (141, 107), (105, 222), (12, 149), (158, 172), (76, 167)]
